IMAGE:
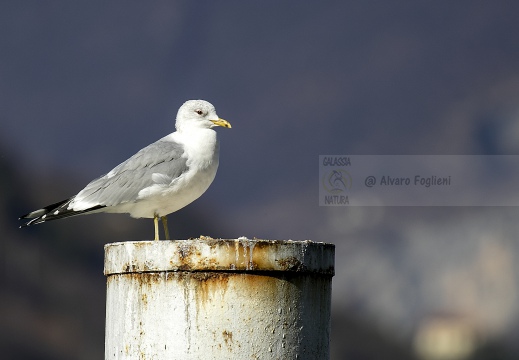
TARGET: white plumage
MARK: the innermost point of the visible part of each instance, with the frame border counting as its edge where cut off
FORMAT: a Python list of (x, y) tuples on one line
[(159, 179)]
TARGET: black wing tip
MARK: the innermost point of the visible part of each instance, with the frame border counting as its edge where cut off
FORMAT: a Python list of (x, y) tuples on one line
[(39, 216), (28, 223), (35, 221), (48, 213), (24, 226)]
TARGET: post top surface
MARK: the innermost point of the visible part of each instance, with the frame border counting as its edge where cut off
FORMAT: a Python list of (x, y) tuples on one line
[(207, 254)]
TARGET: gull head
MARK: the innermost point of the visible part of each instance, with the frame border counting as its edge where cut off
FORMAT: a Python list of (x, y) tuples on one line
[(198, 114)]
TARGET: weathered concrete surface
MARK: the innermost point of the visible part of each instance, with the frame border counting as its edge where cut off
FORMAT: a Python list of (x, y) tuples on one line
[(218, 299)]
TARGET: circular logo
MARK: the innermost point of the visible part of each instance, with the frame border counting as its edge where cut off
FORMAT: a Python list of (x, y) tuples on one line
[(337, 181)]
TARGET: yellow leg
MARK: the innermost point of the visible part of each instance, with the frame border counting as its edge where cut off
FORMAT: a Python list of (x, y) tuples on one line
[(165, 224), (156, 223)]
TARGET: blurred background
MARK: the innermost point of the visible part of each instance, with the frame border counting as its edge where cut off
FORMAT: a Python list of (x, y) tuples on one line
[(84, 85)]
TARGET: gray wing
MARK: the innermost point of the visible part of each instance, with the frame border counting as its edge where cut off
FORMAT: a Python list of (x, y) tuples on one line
[(124, 182)]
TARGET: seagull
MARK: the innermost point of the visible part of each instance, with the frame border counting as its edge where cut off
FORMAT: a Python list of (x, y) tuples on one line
[(158, 180)]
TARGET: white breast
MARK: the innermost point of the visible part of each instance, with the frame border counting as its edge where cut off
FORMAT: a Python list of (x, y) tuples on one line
[(202, 152)]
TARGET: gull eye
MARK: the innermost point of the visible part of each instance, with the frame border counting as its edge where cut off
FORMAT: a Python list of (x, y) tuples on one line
[(199, 112)]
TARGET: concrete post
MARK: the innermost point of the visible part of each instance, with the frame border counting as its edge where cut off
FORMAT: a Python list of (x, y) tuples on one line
[(218, 299)]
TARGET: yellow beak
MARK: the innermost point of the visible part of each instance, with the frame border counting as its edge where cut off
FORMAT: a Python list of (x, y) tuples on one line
[(222, 122)]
